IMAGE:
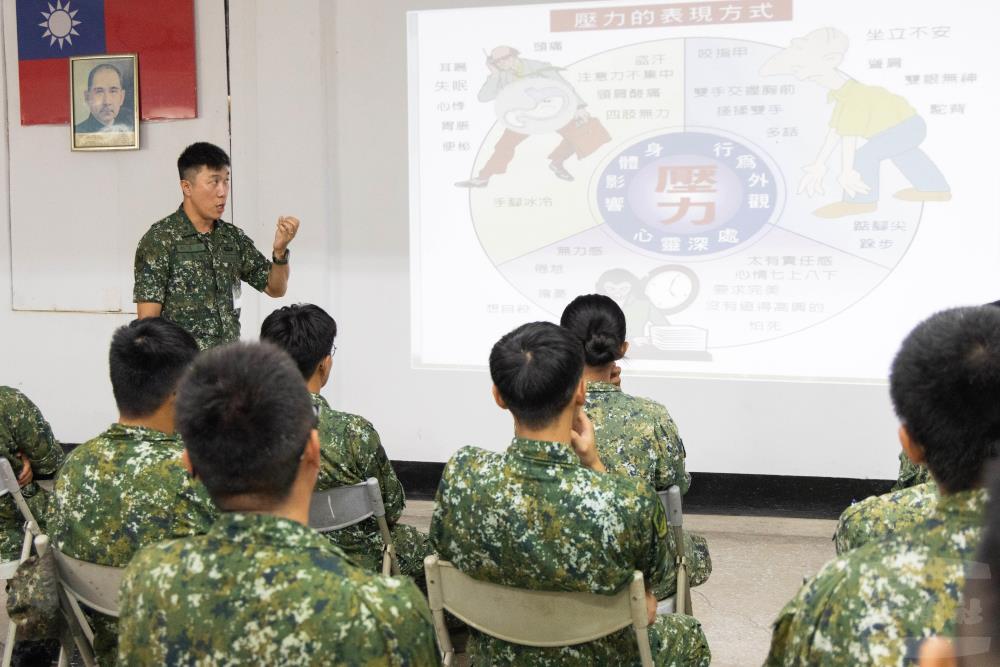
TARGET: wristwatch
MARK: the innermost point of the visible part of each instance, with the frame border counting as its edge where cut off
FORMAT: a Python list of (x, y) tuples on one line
[(280, 262)]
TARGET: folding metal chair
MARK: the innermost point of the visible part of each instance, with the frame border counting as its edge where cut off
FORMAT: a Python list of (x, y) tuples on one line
[(681, 602), (532, 618), (343, 506)]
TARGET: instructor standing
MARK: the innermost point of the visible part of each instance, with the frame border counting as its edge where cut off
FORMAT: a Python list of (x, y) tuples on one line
[(190, 265)]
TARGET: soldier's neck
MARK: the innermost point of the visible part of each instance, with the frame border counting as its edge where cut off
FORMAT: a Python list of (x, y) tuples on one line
[(598, 373), (558, 430), (162, 420), (202, 225)]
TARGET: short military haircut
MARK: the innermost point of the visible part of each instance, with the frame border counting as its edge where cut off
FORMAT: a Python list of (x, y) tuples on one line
[(198, 155), (945, 387), (103, 66), (147, 359), (536, 368), (304, 331), (600, 324), (245, 416)]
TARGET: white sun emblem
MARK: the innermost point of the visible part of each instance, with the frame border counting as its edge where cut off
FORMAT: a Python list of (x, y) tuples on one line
[(60, 23)]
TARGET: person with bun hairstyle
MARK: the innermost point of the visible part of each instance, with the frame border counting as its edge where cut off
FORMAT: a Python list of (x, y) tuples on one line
[(635, 436)]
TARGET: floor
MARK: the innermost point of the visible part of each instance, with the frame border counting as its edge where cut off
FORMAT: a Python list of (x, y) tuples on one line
[(758, 564)]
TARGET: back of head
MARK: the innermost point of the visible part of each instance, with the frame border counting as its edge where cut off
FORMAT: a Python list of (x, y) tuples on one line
[(536, 368), (198, 155), (245, 416), (304, 331), (600, 323), (147, 359), (945, 387)]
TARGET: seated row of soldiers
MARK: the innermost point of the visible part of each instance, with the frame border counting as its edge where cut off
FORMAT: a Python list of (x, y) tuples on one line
[(128, 489), (221, 568)]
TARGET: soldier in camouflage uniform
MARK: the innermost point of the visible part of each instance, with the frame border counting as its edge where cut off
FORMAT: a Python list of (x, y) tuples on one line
[(875, 604), (190, 265), (635, 436), (126, 488), (26, 441), (545, 515), (261, 588), (350, 448), (876, 517), (910, 474)]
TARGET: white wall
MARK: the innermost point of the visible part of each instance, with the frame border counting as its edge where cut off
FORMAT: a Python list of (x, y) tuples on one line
[(319, 131)]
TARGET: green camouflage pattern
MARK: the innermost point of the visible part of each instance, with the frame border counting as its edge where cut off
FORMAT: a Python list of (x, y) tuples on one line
[(350, 453), (121, 491), (262, 590), (910, 473), (197, 277), (637, 437), (536, 518), (876, 517), (875, 604), (24, 429)]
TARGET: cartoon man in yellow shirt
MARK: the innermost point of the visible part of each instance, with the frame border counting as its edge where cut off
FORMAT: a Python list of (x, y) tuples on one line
[(888, 124)]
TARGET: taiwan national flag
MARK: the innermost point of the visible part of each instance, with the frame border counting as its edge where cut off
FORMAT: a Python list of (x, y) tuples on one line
[(161, 32)]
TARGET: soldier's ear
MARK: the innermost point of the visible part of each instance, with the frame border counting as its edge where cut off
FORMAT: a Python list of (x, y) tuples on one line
[(498, 398), (186, 187), (624, 349), (914, 451), (310, 454)]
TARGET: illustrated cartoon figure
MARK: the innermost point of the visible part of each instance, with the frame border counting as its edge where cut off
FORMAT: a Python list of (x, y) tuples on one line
[(532, 97), (888, 124)]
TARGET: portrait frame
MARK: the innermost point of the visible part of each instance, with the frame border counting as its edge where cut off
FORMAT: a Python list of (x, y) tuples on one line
[(109, 122)]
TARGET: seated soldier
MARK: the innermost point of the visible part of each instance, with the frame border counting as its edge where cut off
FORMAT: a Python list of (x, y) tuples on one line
[(545, 515), (261, 588), (876, 517), (876, 603), (635, 436), (26, 441), (910, 474), (126, 488), (350, 449)]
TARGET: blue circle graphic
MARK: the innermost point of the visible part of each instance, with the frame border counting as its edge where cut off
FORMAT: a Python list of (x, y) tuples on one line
[(687, 194)]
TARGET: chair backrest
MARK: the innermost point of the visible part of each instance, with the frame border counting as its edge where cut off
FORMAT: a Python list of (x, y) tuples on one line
[(671, 500), (535, 618), (345, 506), (96, 586)]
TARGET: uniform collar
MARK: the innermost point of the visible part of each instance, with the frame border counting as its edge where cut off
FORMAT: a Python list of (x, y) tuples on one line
[(189, 228), (602, 387), (964, 505), (317, 399), (560, 453), (141, 433), (252, 528)]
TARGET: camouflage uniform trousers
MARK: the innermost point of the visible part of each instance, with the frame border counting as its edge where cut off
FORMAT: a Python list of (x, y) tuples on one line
[(675, 640), (699, 564), (411, 546)]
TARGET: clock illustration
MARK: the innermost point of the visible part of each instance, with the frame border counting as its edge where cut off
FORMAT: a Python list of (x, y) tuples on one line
[(672, 288)]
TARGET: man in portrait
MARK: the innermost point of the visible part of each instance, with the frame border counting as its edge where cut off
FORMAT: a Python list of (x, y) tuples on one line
[(105, 95)]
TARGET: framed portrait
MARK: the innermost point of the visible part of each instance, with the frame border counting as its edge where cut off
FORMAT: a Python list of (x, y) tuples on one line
[(104, 102)]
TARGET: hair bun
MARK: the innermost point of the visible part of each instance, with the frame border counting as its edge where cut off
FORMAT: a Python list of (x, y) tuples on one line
[(601, 349)]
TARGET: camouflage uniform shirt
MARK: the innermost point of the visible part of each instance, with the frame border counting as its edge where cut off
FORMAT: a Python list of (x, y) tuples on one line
[(350, 453), (637, 437), (262, 590), (24, 429), (535, 517), (119, 492), (196, 277), (876, 517), (875, 604), (910, 473)]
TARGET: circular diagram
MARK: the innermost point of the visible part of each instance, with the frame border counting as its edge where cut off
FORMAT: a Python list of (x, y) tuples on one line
[(694, 178)]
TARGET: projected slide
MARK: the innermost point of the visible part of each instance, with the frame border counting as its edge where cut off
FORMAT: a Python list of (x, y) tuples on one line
[(744, 178)]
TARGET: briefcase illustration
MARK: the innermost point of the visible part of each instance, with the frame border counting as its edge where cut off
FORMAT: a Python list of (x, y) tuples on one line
[(586, 137)]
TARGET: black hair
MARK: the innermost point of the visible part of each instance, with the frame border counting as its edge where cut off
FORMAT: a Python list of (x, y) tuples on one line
[(600, 323), (945, 387), (245, 417), (198, 155), (536, 368), (146, 360), (109, 66), (304, 331)]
